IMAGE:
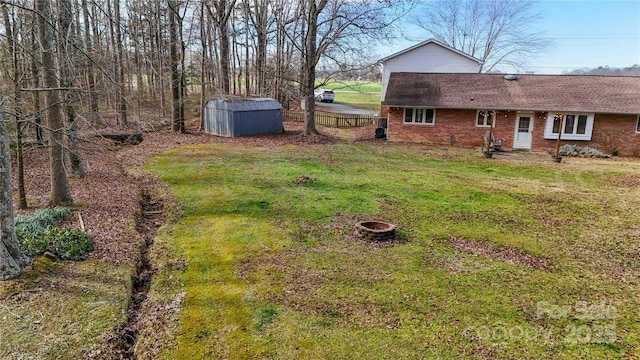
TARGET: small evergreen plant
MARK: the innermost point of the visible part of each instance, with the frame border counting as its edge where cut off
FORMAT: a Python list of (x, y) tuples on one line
[(39, 233)]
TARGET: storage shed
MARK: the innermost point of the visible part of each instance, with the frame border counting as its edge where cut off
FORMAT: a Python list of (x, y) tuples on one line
[(237, 116)]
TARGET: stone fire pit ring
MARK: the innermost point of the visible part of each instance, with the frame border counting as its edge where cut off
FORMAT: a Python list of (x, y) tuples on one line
[(375, 230)]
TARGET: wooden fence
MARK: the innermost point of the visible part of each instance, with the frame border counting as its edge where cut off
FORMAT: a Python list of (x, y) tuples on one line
[(334, 120)]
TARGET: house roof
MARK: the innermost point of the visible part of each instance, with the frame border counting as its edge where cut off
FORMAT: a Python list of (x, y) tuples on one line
[(578, 93), (430, 41), (238, 103)]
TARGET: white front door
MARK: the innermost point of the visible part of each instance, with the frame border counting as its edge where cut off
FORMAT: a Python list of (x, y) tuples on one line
[(523, 132)]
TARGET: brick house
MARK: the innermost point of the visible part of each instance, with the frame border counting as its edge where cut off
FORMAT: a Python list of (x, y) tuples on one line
[(526, 110)]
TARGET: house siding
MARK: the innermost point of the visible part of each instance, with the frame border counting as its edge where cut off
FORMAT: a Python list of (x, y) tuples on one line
[(431, 58), (457, 127)]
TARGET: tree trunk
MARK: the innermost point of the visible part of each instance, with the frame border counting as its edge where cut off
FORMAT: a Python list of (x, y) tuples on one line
[(66, 53), (11, 42), (22, 193), (177, 120), (11, 257), (247, 73), (221, 19), (93, 94), (310, 61), (280, 40), (60, 193), (224, 57), (260, 24), (160, 56), (138, 62), (203, 44), (183, 78), (35, 75), (121, 99)]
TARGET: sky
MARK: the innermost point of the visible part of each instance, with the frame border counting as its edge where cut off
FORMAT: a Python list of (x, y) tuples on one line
[(584, 34)]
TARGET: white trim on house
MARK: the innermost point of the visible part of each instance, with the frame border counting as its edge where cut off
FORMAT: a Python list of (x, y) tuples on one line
[(423, 119), (579, 124), (487, 114), (384, 59), (523, 140)]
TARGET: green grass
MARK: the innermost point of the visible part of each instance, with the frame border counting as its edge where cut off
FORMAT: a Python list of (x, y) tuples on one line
[(358, 100), (62, 310), (272, 269), (359, 94), (351, 85)]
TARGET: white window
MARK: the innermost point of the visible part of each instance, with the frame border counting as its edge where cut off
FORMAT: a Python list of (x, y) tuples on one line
[(638, 125), (575, 126), (421, 116), (484, 118)]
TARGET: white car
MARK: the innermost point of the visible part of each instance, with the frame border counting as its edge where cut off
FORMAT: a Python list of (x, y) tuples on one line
[(324, 95)]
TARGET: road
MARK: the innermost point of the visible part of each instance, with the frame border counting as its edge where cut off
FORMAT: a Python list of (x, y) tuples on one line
[(344, 109)]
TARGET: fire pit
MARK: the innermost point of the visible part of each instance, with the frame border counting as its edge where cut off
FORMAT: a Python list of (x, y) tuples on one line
[(375, 230)]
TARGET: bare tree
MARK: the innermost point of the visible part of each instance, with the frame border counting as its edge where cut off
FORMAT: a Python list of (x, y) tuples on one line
[(341, 30), (16, 78), (11, 258), (121, 100), (220, 12), (633, 70), (60, 192), (175, 63), (310, 60), (203, 63), (497, 32), (89, 62), (66, 54)]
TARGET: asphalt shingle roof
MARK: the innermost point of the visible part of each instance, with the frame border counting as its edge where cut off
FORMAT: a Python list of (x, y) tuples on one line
[(577, 93)]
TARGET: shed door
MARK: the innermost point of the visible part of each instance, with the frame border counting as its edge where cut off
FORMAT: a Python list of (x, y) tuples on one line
[(523, 131)]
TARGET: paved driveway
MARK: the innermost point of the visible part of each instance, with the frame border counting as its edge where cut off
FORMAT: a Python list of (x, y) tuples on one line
[(344, 109)]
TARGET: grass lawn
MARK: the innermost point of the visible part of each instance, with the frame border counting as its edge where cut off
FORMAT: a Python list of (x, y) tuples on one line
[(61, 310), (351, 85), (359, 94), (516, 257), (358, 100)]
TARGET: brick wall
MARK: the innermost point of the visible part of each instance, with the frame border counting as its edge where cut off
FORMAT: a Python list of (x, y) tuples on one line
[(457, 127), (452, 127), (611, 133)]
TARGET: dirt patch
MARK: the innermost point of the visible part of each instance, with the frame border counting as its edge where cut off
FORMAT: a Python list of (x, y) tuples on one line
[(305, 285), (502, 253), (148, 221), (627, 180), (344, 227), (155, 142)]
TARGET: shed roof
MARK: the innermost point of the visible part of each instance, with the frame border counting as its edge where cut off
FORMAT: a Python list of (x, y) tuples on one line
[(580, 93), (426, 42), (238, 104)]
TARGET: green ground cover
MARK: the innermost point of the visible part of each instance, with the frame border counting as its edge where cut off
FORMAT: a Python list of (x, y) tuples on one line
[(358, 100), (62, 310), (350, 85), (515, 257)]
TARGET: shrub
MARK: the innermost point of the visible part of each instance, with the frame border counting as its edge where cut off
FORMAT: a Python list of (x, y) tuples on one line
[(577, 151), (37, 224), (38, 233), (68, 243)]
